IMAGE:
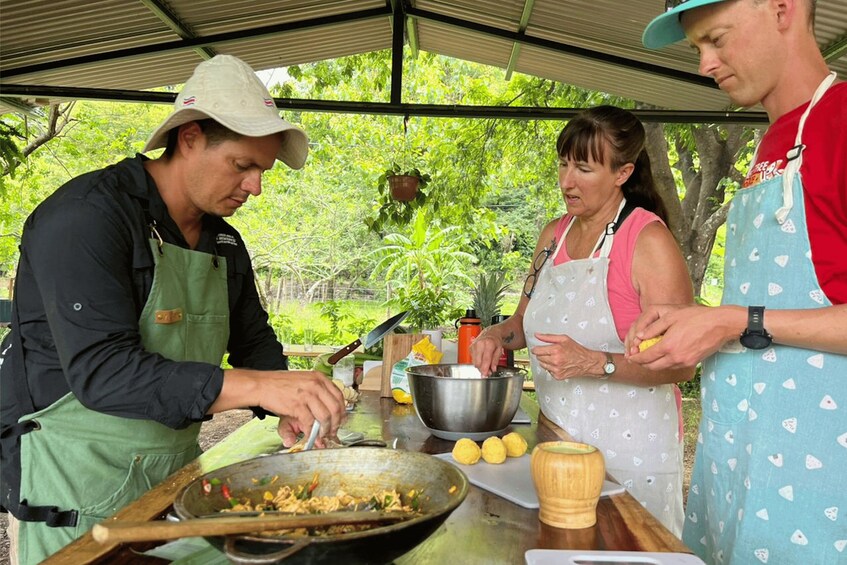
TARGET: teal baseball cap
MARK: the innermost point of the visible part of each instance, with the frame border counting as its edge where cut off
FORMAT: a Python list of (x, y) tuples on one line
[(666, 29)]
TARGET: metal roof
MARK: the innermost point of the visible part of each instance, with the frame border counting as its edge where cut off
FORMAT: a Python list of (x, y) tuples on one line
[(114, 49)]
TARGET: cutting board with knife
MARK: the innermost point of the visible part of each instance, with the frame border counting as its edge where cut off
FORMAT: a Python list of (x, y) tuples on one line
[(512, 479)]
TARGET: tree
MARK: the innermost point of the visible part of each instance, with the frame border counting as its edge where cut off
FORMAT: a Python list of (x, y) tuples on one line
[(709, 160)]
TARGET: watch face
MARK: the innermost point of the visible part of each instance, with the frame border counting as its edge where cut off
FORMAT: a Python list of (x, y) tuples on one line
[(609, 368), (755, 341)]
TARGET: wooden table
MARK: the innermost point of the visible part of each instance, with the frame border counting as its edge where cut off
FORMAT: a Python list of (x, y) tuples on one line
[(485, 528)]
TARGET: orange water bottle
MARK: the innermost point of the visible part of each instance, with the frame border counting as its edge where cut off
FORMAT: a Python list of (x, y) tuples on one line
[(469, 327)]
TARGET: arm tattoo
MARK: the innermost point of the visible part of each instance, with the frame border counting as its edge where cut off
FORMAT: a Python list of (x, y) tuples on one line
[(509, 338)]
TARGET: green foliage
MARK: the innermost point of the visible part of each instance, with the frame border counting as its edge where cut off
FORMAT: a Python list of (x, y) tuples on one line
[(333, 312), (10, 154), (426, 271)]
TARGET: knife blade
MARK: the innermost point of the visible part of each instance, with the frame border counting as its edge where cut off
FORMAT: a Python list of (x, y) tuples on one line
[(373, 337)]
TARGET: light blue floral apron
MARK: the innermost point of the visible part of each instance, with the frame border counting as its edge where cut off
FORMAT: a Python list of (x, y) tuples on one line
[(770, 477)]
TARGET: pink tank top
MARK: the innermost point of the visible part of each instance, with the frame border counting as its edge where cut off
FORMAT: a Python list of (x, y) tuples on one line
[(623, 299)]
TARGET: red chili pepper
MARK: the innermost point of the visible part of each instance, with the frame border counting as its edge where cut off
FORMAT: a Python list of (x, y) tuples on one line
[(314, 484), (207, 486), (225, 492)]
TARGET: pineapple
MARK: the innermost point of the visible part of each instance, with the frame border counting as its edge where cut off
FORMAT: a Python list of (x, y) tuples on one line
[(488, 296)]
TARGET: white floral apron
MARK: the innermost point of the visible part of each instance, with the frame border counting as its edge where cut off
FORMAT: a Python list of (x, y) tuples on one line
[(770, 476), (635, 427)]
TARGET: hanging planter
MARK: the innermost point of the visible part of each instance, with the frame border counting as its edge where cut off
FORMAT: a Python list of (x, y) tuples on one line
[(403, 187), (401, 192)]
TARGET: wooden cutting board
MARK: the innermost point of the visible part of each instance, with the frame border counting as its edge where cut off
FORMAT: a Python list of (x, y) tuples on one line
[(397, 346)]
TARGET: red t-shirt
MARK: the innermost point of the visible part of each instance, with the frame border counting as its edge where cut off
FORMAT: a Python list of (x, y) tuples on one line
[(824, 174)]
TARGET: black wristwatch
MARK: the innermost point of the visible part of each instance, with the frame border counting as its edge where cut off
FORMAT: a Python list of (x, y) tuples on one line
[(756, 336)]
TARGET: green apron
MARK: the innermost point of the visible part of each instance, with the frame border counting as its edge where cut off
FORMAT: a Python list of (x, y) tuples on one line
[(97, 463)]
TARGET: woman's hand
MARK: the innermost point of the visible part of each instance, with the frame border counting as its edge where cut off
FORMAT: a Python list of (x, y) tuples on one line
[(486, 350), (564, 358)]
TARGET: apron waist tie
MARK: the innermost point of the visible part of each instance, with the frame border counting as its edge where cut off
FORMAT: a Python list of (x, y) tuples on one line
[(51, 515)]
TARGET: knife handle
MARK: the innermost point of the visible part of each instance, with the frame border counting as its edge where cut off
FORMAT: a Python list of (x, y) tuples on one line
[(343, 352)]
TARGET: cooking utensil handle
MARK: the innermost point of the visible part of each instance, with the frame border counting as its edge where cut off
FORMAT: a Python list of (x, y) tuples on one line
[(343, 352), (118, 531), (242, 558)]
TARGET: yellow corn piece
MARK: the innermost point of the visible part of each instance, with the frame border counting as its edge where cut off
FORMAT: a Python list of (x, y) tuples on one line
[(649, 343)]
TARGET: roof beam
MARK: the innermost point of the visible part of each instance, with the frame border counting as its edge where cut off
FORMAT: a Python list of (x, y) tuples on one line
[(835, 49), (519, 37), (166, 15), (192, 43), (382, 108), (516, 47), (398, 27)]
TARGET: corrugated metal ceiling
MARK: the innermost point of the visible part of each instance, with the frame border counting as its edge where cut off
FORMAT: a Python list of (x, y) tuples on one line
[(131, 45)]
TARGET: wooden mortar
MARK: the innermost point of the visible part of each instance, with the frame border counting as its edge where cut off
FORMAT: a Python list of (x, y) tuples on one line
[(568, 478)]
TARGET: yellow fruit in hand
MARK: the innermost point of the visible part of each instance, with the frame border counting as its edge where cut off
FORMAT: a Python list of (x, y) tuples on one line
[(515, 444), (494, 450), (649, 343), (466, 451)]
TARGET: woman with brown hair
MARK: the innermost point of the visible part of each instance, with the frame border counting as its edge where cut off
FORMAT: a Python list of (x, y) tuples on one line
[(595, 269)]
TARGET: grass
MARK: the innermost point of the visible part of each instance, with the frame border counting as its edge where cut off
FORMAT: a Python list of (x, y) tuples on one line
[(690, 421)]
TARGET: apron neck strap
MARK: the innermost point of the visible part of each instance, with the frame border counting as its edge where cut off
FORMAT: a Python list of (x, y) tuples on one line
[(795, 154), (604, 242)]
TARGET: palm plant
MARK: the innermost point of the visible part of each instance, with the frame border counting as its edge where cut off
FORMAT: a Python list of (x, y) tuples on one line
[(426, 270), (488, 295)]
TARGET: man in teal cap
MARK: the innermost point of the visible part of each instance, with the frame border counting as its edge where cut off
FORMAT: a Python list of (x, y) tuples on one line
[(768, 481)]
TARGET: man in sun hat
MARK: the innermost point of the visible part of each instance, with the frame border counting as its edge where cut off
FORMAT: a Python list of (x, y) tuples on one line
[(131, 286), (768, 480)]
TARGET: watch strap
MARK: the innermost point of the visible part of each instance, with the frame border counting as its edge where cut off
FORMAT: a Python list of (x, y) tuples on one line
[(756, 320)]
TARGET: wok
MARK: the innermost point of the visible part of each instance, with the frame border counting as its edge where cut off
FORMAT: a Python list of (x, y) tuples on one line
[(360, 471)]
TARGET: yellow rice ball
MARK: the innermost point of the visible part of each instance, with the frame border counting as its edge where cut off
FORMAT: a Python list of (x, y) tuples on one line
[(515, 444), (466, 451), (649, 343), (494, 450)]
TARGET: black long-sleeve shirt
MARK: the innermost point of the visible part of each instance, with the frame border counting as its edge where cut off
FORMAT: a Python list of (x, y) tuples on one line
[(84, 275)]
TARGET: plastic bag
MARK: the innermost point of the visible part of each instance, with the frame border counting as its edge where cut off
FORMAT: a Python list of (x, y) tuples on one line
[(423, 353)]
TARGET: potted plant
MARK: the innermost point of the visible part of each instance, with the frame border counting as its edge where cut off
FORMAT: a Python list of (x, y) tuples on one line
[(401, 191), (404, 184)]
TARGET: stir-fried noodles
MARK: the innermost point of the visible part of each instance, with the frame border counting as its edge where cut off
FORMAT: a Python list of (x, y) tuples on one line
[(301, 500)]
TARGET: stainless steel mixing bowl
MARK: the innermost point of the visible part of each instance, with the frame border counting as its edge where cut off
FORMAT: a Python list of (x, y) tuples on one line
[(455, 401)]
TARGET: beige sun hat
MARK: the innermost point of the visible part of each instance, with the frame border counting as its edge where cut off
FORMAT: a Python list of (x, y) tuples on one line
[(227, 90)]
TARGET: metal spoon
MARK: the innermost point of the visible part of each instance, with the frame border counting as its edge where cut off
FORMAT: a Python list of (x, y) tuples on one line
[(313, 435)]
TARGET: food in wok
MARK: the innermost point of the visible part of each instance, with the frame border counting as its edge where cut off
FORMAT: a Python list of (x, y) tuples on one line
[(300, 499)]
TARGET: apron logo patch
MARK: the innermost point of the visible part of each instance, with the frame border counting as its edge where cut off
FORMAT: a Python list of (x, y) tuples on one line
[(169, 316), (226, 239)]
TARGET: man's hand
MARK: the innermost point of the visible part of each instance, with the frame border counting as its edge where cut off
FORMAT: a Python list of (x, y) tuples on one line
[(299, 398), (690, 334)]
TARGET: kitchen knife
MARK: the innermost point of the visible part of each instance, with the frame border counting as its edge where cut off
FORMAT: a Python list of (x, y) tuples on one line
[(373, 337)]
